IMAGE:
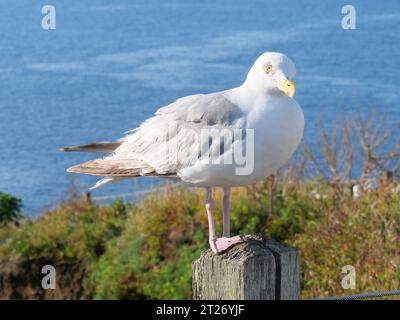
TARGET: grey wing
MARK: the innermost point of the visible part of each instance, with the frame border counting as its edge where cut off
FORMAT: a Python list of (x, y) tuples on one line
[(172, 139), (205, 109)]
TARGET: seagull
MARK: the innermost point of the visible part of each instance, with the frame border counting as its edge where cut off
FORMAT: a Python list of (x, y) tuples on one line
[(222, 140)]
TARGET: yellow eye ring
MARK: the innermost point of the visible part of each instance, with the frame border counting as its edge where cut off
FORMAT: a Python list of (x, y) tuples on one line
[(268, 68)]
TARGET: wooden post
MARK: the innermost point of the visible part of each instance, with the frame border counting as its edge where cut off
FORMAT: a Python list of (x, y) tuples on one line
[(255, 269)]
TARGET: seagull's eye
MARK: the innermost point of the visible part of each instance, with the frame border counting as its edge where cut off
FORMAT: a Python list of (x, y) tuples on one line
[(268, 68)]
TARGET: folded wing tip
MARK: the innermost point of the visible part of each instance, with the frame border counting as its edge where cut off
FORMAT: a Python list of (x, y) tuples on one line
[(65, 149), (113, 168), (96, 147), (71, 169)]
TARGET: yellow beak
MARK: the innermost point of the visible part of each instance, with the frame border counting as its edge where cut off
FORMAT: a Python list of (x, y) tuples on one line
[(287, 87)]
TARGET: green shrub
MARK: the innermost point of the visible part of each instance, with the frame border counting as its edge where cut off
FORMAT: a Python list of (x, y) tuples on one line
[(76, 231), (10, 208), (152, 257)]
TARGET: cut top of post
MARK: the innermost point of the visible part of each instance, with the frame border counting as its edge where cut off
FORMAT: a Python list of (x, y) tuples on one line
[(255, 269)]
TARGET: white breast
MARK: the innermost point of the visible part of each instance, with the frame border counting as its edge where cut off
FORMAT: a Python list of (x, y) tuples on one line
[(277, 123), (278, 130)]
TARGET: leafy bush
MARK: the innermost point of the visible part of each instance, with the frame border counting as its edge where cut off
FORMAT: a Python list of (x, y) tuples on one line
[(152, 257), (74, 231), (10, 208)]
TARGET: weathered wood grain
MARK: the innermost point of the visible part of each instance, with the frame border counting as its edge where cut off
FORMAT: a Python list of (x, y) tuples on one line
[(253, 270), (287, 264)]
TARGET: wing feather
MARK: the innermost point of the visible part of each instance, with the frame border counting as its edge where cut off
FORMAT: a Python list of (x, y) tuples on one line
[(113, 167), (97, 147)]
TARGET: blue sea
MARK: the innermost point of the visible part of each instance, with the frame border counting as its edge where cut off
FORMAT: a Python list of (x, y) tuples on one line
[(109, 65)]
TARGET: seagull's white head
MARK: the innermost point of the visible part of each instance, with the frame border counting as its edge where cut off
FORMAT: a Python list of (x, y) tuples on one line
[(272, 72)]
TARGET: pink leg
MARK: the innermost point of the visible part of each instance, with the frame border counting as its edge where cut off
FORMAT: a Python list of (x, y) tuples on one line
[(221, 244), (226, 205), (210, 215)]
